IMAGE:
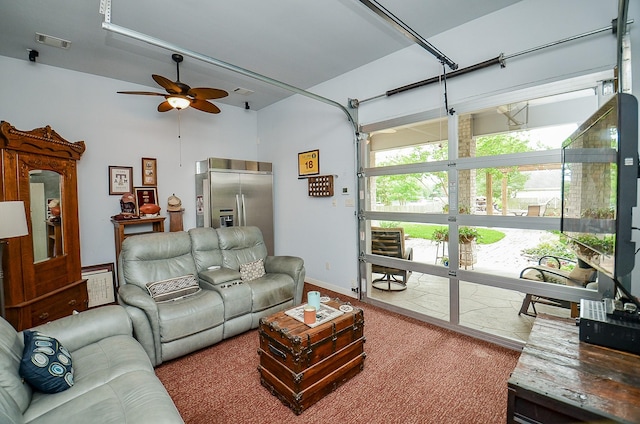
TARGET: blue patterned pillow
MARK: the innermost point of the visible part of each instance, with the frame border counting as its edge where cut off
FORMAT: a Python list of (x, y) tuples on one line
[(46, 364)]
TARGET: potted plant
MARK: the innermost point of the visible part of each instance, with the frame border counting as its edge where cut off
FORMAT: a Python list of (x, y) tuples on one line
[(600, 244), (465, 235)]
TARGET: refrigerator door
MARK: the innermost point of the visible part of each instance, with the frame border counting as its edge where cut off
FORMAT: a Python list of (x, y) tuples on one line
[(225, 199), (257, 204)]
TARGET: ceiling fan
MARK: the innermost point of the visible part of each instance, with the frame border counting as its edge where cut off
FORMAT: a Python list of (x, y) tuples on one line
[(180, 95)]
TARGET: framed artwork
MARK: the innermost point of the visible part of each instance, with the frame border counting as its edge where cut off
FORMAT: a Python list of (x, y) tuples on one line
[(145, 195), (101, 284), (149, 172), (308, 163), (120, 179)]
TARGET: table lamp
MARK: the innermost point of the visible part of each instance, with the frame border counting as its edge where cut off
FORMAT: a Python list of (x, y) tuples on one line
[(13, 223)]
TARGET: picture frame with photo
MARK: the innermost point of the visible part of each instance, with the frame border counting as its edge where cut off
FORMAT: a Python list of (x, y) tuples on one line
[(120, 180), (145, 195), (149, 172)]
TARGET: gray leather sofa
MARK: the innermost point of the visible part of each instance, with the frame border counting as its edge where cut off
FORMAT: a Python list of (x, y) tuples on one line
[(114, 381), (225, 306)]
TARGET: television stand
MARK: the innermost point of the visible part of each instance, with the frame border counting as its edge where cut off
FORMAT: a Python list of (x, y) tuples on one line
[(560, 379)]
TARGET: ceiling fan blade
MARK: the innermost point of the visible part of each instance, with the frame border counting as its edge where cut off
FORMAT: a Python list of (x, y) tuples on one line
[(167, 84), (204, 106), (203, 93), (142, 93), (164, 107)]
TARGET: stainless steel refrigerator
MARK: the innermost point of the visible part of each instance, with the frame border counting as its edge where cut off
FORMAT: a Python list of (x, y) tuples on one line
[(232, 192)]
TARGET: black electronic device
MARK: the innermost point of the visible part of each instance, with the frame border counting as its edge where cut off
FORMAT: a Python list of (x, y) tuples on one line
[(615, 332), (613, 323)]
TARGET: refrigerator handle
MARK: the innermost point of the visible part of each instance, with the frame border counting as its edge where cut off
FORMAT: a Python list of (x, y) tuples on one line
[(238, 210), (244, 213)]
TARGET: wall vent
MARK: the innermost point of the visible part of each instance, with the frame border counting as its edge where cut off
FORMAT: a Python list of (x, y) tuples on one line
[(243, 91), (52, 41)]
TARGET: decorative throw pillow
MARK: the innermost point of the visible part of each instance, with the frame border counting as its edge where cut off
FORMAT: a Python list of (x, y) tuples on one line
[(583, 275), (173, 288), (252, 270), (46, 364)]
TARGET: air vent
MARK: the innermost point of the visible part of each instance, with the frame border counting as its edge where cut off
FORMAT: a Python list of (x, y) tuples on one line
[(243, 91), (52, 41)]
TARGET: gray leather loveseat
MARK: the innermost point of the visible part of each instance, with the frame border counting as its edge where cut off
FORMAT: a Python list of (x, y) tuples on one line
[(236, 284), (113, 379)]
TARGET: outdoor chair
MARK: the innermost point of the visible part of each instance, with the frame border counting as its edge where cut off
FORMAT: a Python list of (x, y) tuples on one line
[(549, 270), (390, 242)]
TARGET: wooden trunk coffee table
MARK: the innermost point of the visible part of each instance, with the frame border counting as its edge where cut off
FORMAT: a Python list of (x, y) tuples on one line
[(300, 364)]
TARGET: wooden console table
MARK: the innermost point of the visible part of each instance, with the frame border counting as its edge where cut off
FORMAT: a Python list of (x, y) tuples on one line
[(560, 379), (157, 226)]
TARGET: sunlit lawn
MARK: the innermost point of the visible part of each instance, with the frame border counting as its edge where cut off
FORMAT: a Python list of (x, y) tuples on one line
[(425, 231)]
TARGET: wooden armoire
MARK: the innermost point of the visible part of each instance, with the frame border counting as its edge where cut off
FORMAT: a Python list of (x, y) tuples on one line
[(42, 271)]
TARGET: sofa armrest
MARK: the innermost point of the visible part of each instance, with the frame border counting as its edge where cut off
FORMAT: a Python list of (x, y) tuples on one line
[(220, 275), (79, 330), (147, 333), (291, 265)]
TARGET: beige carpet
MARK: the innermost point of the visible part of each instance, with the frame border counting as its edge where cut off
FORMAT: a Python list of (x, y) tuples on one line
[(413, 373)]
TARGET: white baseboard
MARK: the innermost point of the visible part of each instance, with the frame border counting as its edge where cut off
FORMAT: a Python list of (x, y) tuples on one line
[(334, 288)]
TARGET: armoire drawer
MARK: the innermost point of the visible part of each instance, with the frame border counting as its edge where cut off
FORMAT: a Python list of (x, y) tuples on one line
[(59, 304)]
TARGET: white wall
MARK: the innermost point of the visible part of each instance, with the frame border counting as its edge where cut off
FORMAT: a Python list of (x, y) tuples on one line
[(120, 130), (326, 234)]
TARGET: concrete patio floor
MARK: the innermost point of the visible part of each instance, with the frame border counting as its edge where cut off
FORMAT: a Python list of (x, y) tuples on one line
[(489, 309)]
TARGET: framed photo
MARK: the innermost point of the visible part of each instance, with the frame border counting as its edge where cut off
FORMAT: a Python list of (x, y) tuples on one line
[(149, 172), (120, 179), (101, 284), (308, 163), (145, 195)]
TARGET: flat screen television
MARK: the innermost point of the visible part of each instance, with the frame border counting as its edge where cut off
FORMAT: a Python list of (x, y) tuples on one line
[(599, 188)]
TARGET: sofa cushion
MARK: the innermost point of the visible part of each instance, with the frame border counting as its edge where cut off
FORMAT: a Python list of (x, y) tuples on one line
[(46, 364), (11, 349), (179, 319), (271, 290), (173, 288), (240, 245), (135, 397), (9, 411), (155, 257), (252, 270), (205, 247), (95, 365), (582, 275)]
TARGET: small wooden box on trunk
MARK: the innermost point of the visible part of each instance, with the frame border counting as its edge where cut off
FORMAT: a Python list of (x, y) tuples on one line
[(300, 365)]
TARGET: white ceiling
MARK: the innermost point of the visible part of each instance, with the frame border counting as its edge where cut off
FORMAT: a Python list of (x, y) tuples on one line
[(298, 42)]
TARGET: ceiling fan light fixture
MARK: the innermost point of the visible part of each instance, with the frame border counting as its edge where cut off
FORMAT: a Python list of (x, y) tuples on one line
[(178, 102)]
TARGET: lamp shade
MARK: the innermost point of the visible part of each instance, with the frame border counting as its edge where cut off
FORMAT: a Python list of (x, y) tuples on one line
[(13, 222)]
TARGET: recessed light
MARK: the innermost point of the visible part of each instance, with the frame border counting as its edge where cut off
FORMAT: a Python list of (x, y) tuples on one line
[(50, 40)]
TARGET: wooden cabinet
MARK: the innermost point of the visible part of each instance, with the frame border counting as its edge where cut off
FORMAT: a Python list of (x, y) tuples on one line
[(43, 277), (560, 379)]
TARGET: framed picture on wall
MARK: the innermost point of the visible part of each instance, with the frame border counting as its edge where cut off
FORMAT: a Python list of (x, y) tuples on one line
[(120, 179), (145, 196), (308, 163), (149, 172)]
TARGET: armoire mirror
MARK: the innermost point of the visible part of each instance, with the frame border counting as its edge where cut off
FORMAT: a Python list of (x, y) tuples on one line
[(46, 209)]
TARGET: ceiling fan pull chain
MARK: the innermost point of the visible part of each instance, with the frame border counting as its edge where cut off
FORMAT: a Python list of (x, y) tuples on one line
[(179, 140)]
